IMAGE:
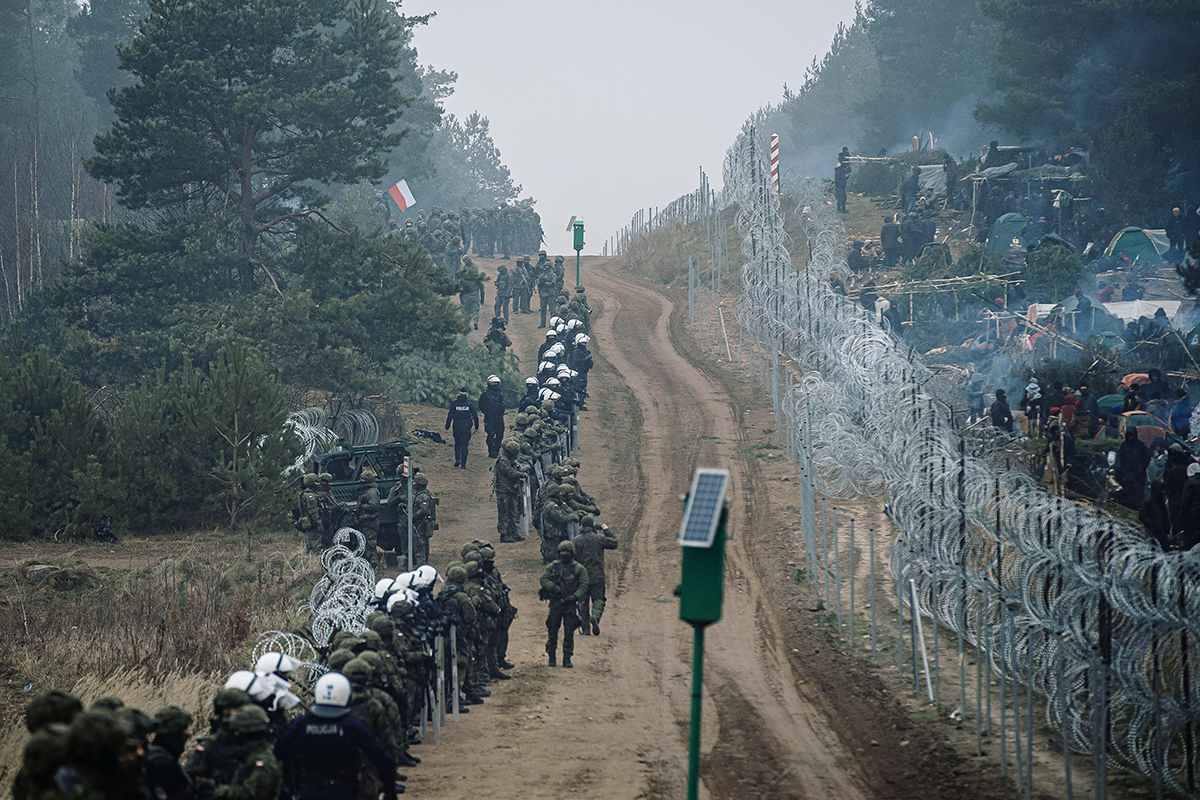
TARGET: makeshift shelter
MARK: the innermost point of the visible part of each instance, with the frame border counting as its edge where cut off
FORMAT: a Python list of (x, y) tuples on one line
[(1150, 428), (1005, 229), (1136, 245), (1111, 403)]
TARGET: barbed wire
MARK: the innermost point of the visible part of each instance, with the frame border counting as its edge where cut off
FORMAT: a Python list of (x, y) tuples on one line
[(1099, 620)]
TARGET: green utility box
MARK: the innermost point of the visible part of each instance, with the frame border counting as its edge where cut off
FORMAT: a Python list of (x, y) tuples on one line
[(702, 539), (579, 234), (701, 588)]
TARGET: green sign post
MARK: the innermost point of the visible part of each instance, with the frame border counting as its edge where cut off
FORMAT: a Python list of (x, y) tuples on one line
[(578, 226), (702, 538)]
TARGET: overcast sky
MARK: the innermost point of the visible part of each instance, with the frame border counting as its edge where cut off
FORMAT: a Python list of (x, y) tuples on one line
[(600, 108)]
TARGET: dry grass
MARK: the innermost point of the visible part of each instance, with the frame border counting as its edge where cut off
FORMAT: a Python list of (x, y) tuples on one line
[(168, 631)]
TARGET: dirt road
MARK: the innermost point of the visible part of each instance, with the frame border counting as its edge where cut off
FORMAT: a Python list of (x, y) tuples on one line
[(616, 725)]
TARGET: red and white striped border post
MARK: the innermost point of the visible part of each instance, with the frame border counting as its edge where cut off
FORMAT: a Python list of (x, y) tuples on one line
[(775, 161)]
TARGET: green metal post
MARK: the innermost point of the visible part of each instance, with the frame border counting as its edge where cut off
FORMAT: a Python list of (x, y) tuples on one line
[(693, 785), (576, 267)]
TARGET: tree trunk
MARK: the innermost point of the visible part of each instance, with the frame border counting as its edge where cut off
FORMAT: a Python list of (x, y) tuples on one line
[(249, 226), (35, 265)]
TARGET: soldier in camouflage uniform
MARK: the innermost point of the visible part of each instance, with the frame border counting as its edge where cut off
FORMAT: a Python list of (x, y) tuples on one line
[(488, 623), (560, 274), (508, 489), (472, 298), (556, 515), (423, 519), (564, 583), (368, 708), (590, 544), (454, 601), (309, 514), (504, 286), (384, 684), (165, 777), (331, 510), (520, 282), (413, 654), (209, 755), (248, 767), (367, 514)]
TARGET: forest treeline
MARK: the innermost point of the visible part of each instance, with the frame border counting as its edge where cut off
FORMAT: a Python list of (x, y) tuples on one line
[(181, 263), (1116, 78)]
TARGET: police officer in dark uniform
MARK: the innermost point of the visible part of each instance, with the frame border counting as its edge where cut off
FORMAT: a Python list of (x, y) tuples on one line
[(464, 417), (491, 405), (319, 751)]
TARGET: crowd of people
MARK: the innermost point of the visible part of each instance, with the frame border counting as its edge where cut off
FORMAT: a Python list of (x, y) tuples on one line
[(341, 726), (1152, 470)]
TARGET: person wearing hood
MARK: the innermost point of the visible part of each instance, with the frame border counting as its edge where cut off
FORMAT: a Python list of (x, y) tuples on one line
[(1133, 459), (1001, 414)]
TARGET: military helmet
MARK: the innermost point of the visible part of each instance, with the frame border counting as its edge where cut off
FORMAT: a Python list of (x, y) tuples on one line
[(171, 720), (559, 259), (552, 489), (46, 750), (456, 574), (358, 670), (373, 639), (523, 418), (383, 626), (541, 252), (487, 552), (339, 658), (467, 548), (249, 720), (110, 704), (588, 521), (325, 477), (52, 706), (367, 474), (398, 605), (566, 546), (309, 480), (529, 433), (511, 446), (95, 740), (373, 658), (230, 698), (420, 480), (343, 639)]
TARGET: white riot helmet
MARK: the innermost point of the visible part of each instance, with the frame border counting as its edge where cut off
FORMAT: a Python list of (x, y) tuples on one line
[(532, 381), (558, 349), (553, 382), (493, 379), (273, 662), (405, 594), (550, 334), (563, 368), (573, 324), (555, 322), (425, 576), (331, 696), (582, 338), (385, 587), (546, 365), (260, 687), (561, 327)]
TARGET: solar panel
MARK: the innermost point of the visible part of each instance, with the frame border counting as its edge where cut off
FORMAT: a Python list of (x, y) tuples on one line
[(703, 510)]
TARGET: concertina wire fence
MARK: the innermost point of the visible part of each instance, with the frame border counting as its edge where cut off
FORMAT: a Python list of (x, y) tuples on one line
[(1057, 598)]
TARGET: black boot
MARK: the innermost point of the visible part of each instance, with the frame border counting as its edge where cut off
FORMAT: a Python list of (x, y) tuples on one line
[(553, 661), (567, 662)]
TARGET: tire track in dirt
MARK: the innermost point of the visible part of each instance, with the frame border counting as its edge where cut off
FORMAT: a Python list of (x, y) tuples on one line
[(767, 738)]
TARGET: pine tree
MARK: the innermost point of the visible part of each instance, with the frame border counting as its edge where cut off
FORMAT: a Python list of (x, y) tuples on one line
[(249, 106)]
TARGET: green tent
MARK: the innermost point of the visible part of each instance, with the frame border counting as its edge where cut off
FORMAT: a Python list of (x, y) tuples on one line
[(1006, 228), (1136, 245)]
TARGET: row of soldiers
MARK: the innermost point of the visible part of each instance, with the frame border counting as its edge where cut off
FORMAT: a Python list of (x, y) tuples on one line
[(442, 235), (506, 230), (516, 286)]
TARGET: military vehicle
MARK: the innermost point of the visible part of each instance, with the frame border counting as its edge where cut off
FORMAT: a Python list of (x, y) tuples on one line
[(346, 463)]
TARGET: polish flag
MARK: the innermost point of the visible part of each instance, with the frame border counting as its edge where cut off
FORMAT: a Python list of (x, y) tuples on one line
[(402, 195)]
